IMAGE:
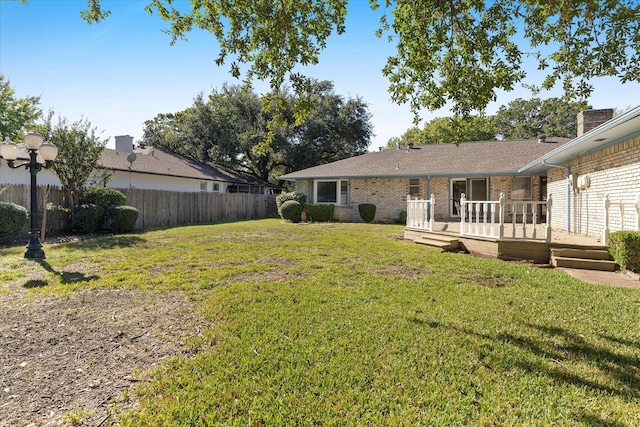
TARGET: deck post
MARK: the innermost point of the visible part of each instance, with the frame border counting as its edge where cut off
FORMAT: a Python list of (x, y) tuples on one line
[(605, 232), (463, 212), (548, 226), (501, 216), (432, 200)]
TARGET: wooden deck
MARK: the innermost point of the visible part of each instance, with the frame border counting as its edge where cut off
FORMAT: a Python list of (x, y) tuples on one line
[(513, 249)]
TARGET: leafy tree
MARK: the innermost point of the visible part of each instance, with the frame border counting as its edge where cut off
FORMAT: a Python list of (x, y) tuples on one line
[(16, 115), (526, 119), (464, 51), (443, 130), (336, 129), (229, 127), (79, 149)]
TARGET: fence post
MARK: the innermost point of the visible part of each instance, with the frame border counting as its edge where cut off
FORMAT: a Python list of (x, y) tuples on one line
[(463, 212), (605, 232), (548, 226)]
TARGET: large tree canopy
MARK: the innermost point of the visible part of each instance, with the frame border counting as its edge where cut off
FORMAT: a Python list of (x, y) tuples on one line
[(228, 127), (456, 53), (520, 119), (526, 119)]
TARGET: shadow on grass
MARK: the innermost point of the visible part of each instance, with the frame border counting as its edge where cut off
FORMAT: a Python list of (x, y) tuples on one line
[(556, 352), (66, 277), (106, 242)]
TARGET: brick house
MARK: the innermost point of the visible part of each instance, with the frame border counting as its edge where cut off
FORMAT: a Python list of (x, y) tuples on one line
[(578, 173), (602, 163), (480, 170)]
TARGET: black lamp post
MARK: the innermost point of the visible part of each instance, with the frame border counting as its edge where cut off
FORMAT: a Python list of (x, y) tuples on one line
[(40, 155)]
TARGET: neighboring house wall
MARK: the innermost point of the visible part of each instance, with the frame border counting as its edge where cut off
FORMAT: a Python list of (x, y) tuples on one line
[(23, 176), (124, 179), (614, 170)]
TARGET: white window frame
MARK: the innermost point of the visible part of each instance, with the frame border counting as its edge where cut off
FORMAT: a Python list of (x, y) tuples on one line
[(342, 191), (215, 187), (204, 186)]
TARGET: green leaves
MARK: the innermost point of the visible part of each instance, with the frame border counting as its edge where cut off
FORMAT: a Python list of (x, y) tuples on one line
[(17, 115)]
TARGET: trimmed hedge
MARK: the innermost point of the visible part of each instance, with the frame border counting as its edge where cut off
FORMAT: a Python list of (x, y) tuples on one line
[(103, 196), (367, 212), (402, 218), (291, 210), (624, 247), (284, 197), (319, 212), (121, 219), (12, 219), (87, 218)]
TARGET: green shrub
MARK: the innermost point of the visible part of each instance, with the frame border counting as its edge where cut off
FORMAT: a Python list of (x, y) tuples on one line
[(319, 212), (284, 197), (367, 212), (291, 210), (402, 218), (624, 247), (121, 219), (12, 219), (87, 218), (103, 196)]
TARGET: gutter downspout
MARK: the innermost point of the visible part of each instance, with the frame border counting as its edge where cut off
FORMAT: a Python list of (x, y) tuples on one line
[(566, 168), (429, 195)]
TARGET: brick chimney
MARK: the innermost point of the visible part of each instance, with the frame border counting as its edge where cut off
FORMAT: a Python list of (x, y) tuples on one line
[(590, 119)]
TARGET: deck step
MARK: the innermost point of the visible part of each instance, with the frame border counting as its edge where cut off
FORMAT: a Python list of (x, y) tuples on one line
[(583, 263), (600, 254), (444, 243)]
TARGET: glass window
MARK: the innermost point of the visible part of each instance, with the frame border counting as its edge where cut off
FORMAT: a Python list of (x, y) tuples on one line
[(414, 186), (203, 186), (521, 188), (344, 192), (327, 192), (332, 192), (216, 187)]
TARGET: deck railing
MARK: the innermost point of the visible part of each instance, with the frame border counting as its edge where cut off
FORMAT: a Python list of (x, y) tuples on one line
[(420, 213), (629, 216), (488, 218)]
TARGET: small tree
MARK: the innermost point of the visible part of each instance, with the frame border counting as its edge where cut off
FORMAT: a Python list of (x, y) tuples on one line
[(79, 149)]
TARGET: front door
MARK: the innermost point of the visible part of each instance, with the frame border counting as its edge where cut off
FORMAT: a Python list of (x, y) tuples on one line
[(457, 188)]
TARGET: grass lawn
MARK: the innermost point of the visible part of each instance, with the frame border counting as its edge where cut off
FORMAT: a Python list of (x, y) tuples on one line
[(347, 324)]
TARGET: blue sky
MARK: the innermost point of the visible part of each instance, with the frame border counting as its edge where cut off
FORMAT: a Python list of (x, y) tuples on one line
[(123, 71)]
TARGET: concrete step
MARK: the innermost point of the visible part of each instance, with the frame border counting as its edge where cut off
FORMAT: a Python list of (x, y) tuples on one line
[(600, 254), (582, 263)]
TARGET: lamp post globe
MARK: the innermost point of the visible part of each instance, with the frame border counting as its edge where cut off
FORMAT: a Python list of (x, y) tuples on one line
[(40, 155)]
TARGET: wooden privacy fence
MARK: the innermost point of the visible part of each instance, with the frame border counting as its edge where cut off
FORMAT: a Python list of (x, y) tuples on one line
[(158, 209)]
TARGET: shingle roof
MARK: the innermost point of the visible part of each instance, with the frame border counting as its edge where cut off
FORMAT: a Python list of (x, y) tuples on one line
[(157, 161), (467, 159)]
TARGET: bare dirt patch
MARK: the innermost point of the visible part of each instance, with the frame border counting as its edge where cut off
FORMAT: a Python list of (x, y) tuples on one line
[(68, 360)]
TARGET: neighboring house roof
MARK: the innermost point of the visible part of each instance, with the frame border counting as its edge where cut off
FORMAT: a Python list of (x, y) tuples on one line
[(466, 159), (157, 161), (614, 131)]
